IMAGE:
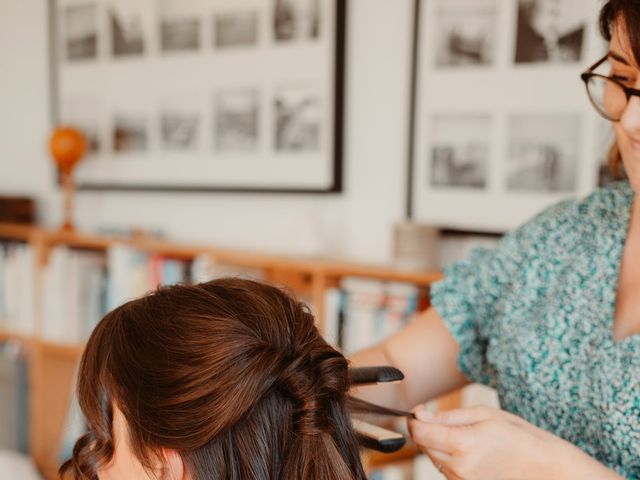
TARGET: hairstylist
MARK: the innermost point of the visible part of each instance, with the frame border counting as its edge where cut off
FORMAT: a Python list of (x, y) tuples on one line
[(550, 319)]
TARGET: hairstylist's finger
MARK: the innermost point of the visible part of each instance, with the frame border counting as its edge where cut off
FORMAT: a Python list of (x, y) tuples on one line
[(461, 416), (432, 436)]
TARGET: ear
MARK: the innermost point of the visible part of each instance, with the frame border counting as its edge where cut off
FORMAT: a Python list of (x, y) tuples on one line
[(173, 465)]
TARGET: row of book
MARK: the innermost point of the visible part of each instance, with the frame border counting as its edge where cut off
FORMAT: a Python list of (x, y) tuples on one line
[(17, 280), (78, 287), (362, 312)]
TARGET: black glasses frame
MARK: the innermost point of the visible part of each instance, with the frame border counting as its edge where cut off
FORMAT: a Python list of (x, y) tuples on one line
[(588, 74)]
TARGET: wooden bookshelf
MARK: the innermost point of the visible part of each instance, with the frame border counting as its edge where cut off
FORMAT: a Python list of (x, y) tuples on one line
[(18, 232), (6, 335), (52, 365)]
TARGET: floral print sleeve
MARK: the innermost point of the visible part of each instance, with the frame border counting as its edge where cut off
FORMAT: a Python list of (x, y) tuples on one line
[(474, 289), (466, 297)]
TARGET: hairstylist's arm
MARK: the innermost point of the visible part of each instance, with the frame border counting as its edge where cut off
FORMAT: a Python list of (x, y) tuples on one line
[(425, 352)]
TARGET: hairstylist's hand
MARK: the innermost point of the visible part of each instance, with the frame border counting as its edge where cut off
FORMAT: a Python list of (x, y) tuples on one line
[(482, 443)]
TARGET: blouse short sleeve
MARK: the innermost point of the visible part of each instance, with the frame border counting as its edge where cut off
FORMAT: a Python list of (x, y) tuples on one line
[(468, 297)]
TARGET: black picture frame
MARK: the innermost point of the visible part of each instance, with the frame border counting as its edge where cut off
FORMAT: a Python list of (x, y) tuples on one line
[(335, 158)]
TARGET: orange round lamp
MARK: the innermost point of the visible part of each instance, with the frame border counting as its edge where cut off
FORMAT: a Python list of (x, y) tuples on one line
[(67, 146)]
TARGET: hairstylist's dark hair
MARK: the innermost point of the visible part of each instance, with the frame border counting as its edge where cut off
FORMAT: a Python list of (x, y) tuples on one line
[(616, 14), (232, 374)]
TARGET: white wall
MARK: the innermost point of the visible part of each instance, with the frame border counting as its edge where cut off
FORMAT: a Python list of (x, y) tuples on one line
[(24, 112), (356, 224)]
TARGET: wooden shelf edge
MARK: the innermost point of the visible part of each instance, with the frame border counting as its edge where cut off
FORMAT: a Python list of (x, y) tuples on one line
[(7, 335), (388, 273), (69, 351), (247, 259), (49, 347), (19, 231)]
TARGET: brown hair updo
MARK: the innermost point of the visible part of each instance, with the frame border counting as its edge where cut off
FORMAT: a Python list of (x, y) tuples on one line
[(232, 374)]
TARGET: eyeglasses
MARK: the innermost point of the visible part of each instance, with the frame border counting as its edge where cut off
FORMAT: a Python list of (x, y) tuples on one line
[(607, 95)]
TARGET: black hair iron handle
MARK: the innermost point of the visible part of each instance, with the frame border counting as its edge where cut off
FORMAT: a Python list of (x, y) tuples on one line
[(378, 438), (373, 375), (373, 436)]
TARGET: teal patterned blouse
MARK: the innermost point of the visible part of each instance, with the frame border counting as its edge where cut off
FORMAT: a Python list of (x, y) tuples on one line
[(533, 319)]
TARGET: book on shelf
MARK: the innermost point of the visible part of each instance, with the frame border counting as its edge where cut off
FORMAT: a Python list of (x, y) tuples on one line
[(81, 286), (73, 294), (14, 395), (362, 312), (74, 425), (17, 280), (132, 273)]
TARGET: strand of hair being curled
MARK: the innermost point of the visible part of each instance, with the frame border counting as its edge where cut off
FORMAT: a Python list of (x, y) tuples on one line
[(232, 374)]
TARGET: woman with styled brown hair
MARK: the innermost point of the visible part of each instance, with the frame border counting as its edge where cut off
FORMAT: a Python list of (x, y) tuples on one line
[(228, 379)]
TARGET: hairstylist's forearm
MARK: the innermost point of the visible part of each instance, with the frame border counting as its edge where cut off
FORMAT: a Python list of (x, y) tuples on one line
[(576, 465), (592, 472), (426, 353)]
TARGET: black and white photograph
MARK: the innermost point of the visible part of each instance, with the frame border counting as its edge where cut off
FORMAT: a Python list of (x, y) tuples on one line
[(129, 132), (297, 120), (550, 31), (236, 121), (80, 35), (82, 113), (466, 32), (296, 20), (179, 124), (129, 23), (236, 29), (459, 155), (179, 26), (543, 152)]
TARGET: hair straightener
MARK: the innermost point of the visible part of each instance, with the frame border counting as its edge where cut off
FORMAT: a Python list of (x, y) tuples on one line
[(372, 436)]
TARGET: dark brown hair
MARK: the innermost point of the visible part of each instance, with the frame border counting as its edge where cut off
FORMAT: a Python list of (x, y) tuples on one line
[(612, 13), (232, 374)]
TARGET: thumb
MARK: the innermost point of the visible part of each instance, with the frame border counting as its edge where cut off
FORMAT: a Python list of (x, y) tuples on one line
[(457, 417)]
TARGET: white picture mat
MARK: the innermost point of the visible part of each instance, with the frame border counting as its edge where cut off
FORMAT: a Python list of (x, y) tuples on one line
[(142, 83), (500, 90)]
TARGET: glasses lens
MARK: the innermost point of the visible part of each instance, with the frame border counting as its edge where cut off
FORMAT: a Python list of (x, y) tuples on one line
[(607, 96)]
